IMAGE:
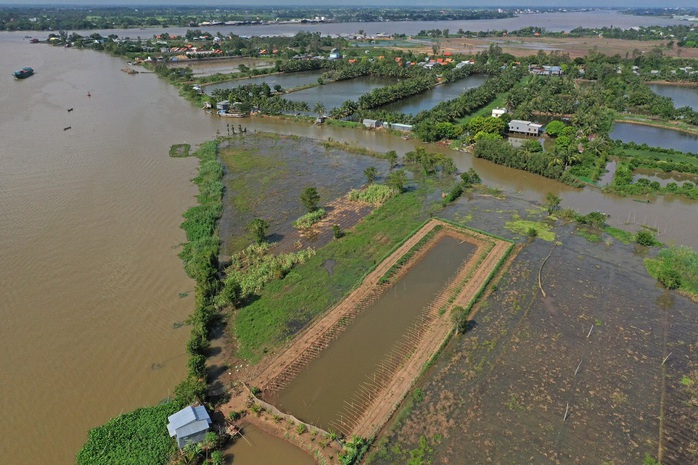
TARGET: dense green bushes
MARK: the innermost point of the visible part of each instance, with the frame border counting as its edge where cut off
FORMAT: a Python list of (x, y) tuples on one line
[(135, 438)]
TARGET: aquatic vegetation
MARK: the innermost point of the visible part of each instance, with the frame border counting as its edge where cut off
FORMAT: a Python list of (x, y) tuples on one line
[(522, 227), (676, 268)]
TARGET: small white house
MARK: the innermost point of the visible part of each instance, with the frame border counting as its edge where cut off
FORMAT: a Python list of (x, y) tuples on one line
[(189, 425), (334, 54), (497, 112)]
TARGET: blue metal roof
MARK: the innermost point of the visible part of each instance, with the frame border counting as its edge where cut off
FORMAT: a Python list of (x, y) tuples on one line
[(187, 420)]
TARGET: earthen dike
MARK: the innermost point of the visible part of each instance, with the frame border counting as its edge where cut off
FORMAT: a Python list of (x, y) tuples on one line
[(371, 407)]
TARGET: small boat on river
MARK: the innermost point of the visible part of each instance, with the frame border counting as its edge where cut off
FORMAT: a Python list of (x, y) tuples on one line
[(23, 73)]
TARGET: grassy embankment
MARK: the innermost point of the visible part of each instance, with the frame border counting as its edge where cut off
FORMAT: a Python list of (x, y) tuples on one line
[(140, 436), (648, 121)]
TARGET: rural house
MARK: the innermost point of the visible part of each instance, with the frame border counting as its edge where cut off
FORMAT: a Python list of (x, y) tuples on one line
[(189, 425), (525, 127)]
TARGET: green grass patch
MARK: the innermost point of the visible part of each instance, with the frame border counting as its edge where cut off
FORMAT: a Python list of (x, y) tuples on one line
[(131, 439), (252, 177), (286, 304), (678, 261), (619, 234), (333, 144), (180, 150), (592, 236), (523, 227)]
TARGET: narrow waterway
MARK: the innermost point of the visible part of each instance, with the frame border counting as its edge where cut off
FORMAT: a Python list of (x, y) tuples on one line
[(318, 394)]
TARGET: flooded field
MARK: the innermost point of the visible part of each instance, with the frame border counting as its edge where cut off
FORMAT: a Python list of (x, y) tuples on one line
[(655, 137), (333, 94), (318, 394), (288, 165), (589, 374), (286, 81), (683, 96), (663, 178), (432, 97), (222, 66)]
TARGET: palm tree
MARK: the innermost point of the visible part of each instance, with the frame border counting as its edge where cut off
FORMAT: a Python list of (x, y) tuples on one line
[(320, 109)]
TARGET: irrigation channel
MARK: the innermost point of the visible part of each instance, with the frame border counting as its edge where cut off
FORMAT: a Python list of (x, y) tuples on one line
[(350, 369)]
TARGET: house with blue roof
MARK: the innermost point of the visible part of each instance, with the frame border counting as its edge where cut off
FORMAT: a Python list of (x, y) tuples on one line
[(189, 425)]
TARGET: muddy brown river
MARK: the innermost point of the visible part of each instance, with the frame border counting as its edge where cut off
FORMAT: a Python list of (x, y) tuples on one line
[(90, 206)]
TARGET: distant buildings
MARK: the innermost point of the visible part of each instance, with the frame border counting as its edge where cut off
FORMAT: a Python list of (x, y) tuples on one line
[(497, 112), (545, 70)]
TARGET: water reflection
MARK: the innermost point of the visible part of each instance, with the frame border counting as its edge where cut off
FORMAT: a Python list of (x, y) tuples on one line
[(655, 137)]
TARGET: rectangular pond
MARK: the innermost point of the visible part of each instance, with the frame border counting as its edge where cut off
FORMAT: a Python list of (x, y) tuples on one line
[(429, 99), (333, 94), (317, 394), (286, 81), (655, 137)]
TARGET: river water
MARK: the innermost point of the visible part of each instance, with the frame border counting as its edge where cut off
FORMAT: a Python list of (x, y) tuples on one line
[(550, 21), (89, 229)]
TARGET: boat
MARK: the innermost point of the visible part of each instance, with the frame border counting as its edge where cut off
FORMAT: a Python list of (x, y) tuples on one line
[(23, 73)]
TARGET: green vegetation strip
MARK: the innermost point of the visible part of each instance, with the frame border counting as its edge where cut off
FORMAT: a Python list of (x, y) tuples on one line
[(140, 436)]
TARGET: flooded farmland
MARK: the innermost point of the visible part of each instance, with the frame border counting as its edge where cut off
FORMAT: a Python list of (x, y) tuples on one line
[(588, 374), (289, 165)]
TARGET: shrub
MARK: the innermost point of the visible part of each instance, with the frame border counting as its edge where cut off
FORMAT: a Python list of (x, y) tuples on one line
[(309, 219), (646, 238), (669, 278)]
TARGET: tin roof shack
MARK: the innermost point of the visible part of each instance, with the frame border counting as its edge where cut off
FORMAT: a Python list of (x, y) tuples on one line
[(497, 112), (189, 425), (525, 127)]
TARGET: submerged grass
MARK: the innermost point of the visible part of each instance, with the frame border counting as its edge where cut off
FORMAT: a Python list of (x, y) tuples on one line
[(288, 303), (523, 227)]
